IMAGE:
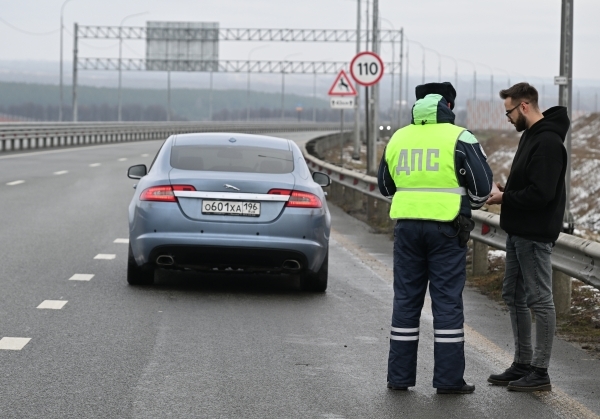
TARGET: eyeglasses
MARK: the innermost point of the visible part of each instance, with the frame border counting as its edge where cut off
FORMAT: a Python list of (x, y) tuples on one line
[(509, 112)]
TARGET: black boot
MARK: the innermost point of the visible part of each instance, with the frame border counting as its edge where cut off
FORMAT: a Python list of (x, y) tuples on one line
[(513, 373), (393, 387), (465, 389), (537, 380)]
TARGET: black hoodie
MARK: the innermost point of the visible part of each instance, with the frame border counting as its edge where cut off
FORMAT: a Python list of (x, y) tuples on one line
[(534, 197)]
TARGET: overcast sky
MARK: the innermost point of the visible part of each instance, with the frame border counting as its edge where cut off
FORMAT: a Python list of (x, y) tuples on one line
[(518, 36)]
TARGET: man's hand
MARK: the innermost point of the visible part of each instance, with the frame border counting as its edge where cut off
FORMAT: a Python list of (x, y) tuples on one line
[(495, 198)]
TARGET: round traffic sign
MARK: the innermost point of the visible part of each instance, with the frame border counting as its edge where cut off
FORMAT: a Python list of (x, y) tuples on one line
[(366, 68)]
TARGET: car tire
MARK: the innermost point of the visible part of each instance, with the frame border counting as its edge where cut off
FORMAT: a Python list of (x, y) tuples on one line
[(138, 275), (316, 281)]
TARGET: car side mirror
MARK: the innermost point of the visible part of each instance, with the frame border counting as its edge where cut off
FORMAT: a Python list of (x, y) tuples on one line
[(137, 172), (321, 179)]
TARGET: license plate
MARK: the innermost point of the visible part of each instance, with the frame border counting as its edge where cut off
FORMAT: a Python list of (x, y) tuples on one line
[(249, 209)]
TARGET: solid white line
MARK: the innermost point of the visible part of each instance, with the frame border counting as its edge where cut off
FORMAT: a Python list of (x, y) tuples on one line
[(122, 159), (52, 304), (16, 182), (61, 172), (13, 344), (95, 164), (81, 277), (124, 241), (105, 256)]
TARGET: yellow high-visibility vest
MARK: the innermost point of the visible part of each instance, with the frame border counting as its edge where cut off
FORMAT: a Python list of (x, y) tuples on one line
[(421, 161)]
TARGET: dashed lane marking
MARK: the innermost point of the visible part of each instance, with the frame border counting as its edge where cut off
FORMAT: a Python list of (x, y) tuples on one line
[(145, 155), (13, 344), (557, 398), (123, 159), (16, 182), (52, 304), (95, 164), (105, 256), (61, 172), (81, 277), (124, 241)]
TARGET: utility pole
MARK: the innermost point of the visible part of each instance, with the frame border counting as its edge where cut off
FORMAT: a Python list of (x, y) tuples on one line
[(75, 53), (367, 104), (372, 156), (565, 96), (356, 150), (400, 78), (60, 108)]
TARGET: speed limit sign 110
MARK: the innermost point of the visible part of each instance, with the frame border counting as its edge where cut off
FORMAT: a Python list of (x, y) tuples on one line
[(366, 68)]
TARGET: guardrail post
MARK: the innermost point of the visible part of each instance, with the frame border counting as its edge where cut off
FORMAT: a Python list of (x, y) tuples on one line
[(371, 210), (480, 258), (561, 291)]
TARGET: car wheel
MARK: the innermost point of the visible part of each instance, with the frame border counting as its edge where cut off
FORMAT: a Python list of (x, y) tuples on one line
[(316, 281), (137, 275)]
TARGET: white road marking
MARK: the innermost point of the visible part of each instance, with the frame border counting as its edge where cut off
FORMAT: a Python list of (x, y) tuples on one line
[(95, 164), (145, 155), (81, 277), (124, 241), (16, 182), (52, 304), (122, 159), (105, 256), (13, 344), (61, 172)]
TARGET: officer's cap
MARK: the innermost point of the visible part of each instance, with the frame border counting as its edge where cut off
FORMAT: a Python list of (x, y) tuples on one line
[(445, 89)]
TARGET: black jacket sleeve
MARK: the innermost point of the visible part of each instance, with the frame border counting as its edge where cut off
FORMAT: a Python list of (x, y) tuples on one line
[(386, 184), (474, 172)]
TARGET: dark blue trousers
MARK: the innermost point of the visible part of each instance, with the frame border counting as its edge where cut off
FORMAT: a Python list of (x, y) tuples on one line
[(424, 254)]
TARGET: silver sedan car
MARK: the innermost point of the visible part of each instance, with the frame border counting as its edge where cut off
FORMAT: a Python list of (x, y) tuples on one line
[(231, 203)]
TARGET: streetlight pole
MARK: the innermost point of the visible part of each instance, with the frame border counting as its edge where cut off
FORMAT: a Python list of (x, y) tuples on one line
[(565, 96), (356, 149), (423, 51), (439, 62), (283, 83), (60, 108), (455, 70), (491, 80), (120, 57), (474, 77), (372, 155), (248, 84)]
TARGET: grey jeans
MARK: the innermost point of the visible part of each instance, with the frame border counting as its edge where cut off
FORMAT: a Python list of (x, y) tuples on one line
[(528, 284)]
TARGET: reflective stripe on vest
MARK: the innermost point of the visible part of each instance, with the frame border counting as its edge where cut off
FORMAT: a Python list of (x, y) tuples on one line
[(421, 160)]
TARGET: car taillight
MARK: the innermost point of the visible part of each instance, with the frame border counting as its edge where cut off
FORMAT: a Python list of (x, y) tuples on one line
[(164, 193), (298, 199)]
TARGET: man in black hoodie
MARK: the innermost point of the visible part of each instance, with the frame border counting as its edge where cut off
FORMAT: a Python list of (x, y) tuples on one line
[(533, 205)]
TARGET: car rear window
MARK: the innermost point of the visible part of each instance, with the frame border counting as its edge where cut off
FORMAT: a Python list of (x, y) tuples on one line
[(232, 159)]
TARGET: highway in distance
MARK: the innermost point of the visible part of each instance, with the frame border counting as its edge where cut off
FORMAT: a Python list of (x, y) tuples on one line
[(77, 342)]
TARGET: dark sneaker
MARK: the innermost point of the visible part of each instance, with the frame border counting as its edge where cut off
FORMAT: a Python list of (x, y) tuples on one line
[(536, 380), (393, 387), (513, 373), (465, 389)]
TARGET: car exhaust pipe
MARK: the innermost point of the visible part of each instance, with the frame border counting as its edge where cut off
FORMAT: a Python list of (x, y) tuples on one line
[(165, 260), (292, 265)]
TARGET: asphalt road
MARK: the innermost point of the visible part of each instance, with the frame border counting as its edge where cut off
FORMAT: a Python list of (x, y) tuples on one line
[(217, 347)]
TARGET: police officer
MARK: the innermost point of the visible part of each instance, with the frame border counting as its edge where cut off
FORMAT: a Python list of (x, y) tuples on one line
[(435, 172)]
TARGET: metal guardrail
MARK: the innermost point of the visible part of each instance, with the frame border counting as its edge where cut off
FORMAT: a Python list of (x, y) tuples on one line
[(33, 135), (574, 256)]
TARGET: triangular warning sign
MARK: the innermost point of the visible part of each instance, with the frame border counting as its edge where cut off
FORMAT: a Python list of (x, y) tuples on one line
[(342, 86)]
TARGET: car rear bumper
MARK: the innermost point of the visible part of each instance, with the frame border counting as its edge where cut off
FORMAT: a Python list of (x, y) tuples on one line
[(231, 252)]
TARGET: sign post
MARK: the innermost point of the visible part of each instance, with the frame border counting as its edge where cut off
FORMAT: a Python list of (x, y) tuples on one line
[(342, 94), (366, 69)]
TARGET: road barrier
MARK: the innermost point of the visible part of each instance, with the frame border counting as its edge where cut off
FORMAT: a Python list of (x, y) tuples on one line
[(571, 257), (31, 135)]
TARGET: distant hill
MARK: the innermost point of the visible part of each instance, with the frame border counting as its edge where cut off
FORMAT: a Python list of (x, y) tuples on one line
[(40, 101)]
